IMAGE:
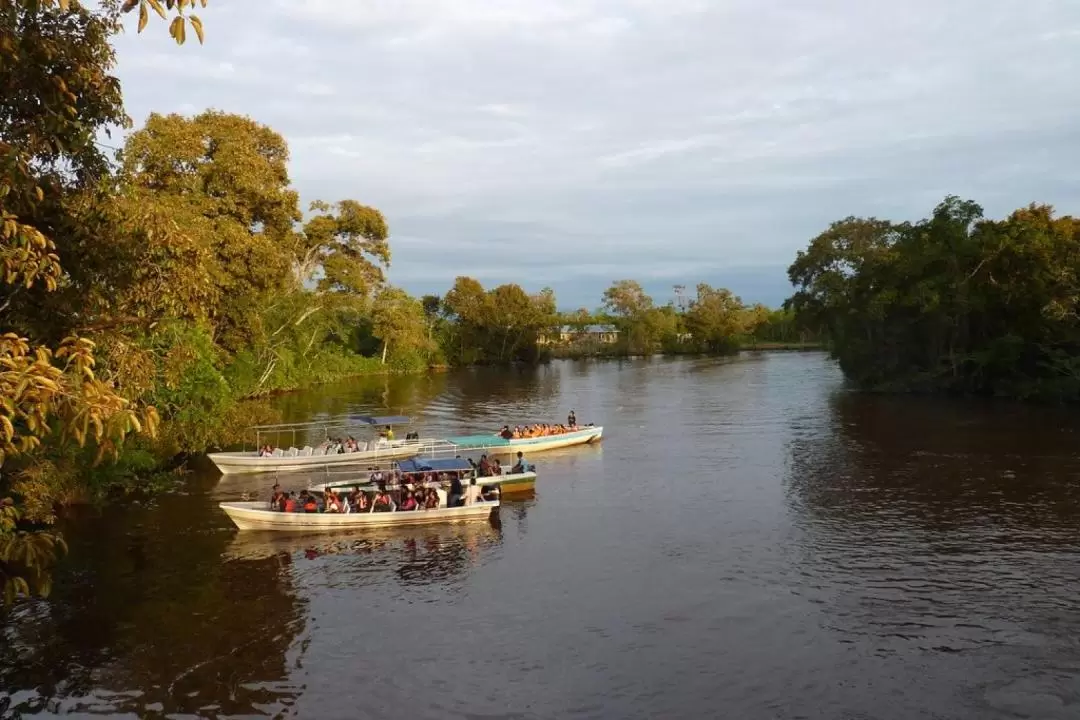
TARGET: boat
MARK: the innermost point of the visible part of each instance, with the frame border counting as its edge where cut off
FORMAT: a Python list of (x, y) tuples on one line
[(498, 445), (325, 453), (257, 515), (507, 483)]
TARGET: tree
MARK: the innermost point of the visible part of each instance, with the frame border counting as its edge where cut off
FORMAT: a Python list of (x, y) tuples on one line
[(349, 246), (635, 316), (497, 326), (399, 321), (223, 179), (626, 299), (57, 94), (952, 303), (716, 318)]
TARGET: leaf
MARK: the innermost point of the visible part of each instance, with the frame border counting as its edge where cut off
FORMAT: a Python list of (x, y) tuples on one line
[(156, 4), (144, 16), (176, 29), (196, 23)]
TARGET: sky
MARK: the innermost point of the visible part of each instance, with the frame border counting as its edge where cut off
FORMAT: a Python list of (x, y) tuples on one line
[(571, 143)]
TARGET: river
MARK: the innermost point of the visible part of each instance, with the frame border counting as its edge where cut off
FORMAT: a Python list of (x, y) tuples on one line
[(749, 541)]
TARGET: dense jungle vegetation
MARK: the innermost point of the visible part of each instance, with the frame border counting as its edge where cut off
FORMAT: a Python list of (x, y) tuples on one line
[(954, 303)]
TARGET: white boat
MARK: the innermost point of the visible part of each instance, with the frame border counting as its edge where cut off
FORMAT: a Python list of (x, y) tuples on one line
[(324, 453), (257, 516), (497, 445), (508, 483)]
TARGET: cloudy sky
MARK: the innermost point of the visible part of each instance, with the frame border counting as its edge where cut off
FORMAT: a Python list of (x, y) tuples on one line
[(574, 142)]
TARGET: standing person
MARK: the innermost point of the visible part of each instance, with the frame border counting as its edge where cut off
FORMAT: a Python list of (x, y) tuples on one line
[(472, 493), (389, 433), (455, 490), (571, 419)]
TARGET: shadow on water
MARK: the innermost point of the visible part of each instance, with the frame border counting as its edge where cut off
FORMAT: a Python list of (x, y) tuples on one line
[(146, 618), (438, 554)]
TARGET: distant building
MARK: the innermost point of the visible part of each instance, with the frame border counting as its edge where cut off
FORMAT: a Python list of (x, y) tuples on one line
[(592, 334)]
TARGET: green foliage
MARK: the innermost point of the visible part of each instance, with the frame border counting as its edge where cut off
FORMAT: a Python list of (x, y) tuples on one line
[(953, 303), (497, 326), (350, 247)]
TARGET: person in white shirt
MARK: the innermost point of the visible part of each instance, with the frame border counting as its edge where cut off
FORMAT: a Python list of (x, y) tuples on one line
[(472, 493)]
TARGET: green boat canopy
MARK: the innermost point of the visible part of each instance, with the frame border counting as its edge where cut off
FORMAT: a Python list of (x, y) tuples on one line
[(478, 441)]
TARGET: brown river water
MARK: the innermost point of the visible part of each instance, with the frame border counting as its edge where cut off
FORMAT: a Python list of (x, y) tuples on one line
[(749, 541)]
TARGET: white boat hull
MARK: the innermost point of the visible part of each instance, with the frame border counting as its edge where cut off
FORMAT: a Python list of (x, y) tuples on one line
[(256, 516), (230, 463), (549, 442)]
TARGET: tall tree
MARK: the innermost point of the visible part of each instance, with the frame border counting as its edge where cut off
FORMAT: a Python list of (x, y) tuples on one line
[(399, 321), (224, 179), (716, 318), (348, 243)]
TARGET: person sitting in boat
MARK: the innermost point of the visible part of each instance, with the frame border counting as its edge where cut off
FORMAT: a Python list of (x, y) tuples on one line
[(358, 499), (389, 433), (484, 469), (331, 501), (411, 501), (275, 497), (288, 503), (431, 499), (520, 466), (382, 501), (506, 433), (472, 493), (309, 503), (496, 467)]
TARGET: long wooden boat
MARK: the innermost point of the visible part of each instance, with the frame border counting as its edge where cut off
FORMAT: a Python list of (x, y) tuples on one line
[(496, 445), (508, 483), (257, 516), (300, 458)]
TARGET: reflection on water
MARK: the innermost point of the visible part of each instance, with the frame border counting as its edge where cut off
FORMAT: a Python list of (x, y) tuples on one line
[(147, 618), (436, 554), (750, 540)]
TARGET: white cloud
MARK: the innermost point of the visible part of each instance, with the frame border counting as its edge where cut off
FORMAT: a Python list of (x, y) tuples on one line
[(536, 138)]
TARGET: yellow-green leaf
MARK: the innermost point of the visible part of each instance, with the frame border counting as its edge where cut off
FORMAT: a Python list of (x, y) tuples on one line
[(176, 29), (196, 24)]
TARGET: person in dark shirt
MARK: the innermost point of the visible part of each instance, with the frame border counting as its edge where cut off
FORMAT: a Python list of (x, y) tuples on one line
[(456, 491), (571, 419)]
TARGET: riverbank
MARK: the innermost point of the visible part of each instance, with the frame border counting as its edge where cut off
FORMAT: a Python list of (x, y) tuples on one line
[(615, 353), (785, 347)]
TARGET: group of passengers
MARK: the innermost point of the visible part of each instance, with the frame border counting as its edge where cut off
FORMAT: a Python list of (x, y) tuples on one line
[(410, 494), (540, 429), (491, 467)]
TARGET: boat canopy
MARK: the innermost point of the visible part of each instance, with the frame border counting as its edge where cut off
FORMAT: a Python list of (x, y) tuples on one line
[(336, 422), (478, 441), (414, 465), (381, 419)]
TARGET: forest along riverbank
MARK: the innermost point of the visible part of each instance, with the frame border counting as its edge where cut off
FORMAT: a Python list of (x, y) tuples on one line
[(817, 549)]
